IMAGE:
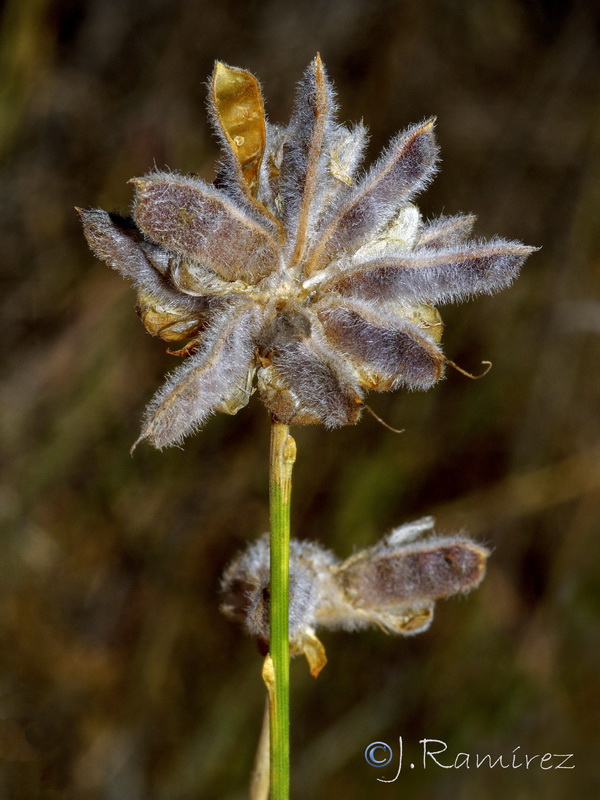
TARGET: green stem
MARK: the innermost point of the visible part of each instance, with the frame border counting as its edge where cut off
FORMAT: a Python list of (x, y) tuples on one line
[(283, 455)]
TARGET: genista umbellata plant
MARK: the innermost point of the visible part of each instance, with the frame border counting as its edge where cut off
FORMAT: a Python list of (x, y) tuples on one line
[(299, 276)]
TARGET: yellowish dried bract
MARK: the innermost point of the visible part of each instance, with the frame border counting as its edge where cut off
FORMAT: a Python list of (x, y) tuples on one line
[(238, 107)]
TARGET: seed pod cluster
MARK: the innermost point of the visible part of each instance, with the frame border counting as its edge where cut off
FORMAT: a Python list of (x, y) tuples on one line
[(294, 272)]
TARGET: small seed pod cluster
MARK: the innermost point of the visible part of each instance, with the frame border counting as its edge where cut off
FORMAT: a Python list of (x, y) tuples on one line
[(294, 273), (393, 585)]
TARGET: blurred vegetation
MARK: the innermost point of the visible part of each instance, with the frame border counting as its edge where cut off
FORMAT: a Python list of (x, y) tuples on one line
[(119, 678)]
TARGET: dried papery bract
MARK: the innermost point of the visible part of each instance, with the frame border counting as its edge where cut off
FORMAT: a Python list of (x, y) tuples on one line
[(239, 117), (393, 585), (331, 278)]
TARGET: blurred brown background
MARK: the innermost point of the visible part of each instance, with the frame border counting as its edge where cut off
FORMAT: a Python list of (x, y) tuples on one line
[(119, 678)]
